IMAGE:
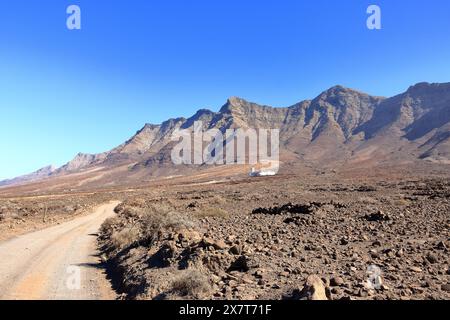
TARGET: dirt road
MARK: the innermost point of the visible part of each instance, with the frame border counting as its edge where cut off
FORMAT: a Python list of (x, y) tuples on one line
[(60, 262)]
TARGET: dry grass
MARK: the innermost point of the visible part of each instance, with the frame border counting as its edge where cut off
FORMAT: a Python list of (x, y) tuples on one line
[(211, 212), (191, 283), (155, 222), (143, 226), (368, 200), (400, 202), (125, 238)]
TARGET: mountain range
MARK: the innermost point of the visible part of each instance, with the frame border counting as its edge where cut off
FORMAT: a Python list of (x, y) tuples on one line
[(342, 128)]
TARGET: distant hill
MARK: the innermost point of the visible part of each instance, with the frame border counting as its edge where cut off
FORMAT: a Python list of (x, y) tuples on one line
[(34, 176)]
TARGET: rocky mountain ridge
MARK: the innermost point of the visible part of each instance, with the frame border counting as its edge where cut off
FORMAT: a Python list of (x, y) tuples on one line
[(340, 127)]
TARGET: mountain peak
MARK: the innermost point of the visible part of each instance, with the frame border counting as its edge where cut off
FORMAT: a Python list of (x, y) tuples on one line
[(339, 87), (339, 90), (235, 100), (81, 160), (233, 104), (423, 87), (203, 112), (419, 87)]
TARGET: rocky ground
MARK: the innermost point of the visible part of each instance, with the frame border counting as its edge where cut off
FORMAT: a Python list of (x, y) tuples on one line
[(283, 238)]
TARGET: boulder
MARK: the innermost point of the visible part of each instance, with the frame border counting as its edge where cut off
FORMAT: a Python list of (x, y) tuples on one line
[(336, 281), (189, 236), (313, 289), (236, 250), (216, 244)]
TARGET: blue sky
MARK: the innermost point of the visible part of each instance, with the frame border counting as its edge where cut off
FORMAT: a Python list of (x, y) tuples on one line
[(138, 61)]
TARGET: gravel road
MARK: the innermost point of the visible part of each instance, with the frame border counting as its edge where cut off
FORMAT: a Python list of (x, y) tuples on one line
[(57, 263)]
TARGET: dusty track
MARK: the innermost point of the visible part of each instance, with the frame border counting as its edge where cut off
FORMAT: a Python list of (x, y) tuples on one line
[(44, 264)]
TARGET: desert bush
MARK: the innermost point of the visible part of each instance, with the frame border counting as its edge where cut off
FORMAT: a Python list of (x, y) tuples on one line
[(160, 207), (177, 221), (155, 222), (128, 211), (119, 208), (125, 238), (141, 225), (400, 202), (136, 202), (368, 200), (211, 212), (110, 225), (218, 200), (191, 283)]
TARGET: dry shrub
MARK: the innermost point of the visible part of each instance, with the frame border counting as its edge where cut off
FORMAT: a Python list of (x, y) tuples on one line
[(160, 207), (154, 222), (125, 238), (401, 202), (191, 283), (110, 225), (141, 226), (218, 200), (368, 200), (177, 221), (211, 212), (136, 202), (132, 213)]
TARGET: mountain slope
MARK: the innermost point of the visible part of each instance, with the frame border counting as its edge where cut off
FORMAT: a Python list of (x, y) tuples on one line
[(340, 128), (34, 176)]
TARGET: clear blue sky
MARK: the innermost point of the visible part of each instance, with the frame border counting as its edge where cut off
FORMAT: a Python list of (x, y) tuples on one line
[(138, 61)]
